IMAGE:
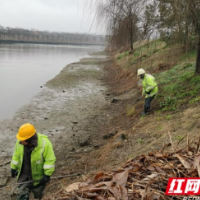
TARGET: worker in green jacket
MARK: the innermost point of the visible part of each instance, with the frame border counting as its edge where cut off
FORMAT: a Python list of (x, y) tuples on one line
[(33, 162), (150, 89)]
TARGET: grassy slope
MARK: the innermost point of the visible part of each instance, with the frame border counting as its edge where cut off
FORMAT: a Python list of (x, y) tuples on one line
[(175, 109), (173, 70)]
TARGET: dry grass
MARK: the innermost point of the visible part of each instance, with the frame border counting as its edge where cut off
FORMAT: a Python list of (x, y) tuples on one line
[(115, 142), (169, 56), (130, 110)]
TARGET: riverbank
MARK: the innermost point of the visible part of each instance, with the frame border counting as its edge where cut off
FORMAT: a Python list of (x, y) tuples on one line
[(62, 111), (101, 136)]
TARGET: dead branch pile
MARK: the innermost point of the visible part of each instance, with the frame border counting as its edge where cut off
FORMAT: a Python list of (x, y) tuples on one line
[(144, 177)]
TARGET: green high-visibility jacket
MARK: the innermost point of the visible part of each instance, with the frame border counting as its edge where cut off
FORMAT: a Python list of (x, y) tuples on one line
[(42, 158), (149, 85)]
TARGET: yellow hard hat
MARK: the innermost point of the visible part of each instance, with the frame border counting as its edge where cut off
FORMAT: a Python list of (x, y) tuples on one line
[(25, 132)]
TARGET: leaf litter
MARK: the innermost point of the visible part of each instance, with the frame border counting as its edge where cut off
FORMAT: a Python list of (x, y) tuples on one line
[(144, 177)]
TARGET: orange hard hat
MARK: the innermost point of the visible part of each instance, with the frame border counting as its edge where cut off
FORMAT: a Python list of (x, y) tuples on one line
[(25, 132)]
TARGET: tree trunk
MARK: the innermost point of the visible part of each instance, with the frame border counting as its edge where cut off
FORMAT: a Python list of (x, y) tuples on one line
[(186, 34), (131, 40), (131, 32), (197, 69)]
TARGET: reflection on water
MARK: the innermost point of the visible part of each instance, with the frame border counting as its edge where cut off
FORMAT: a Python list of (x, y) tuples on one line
[(26, 67)]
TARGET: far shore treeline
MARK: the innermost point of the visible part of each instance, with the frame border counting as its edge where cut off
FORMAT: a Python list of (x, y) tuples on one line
[(18, 35)]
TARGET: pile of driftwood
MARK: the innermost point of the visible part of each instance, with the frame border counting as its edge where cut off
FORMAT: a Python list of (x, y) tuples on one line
[(143, 177)]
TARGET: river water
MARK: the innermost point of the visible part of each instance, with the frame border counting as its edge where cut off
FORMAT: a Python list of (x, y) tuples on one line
[(25, 68)]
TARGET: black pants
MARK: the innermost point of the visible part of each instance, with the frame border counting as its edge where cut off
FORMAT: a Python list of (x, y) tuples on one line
[(147, 104), (23, 191)]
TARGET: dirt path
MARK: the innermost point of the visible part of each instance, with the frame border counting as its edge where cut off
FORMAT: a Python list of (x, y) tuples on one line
[(62, 111)]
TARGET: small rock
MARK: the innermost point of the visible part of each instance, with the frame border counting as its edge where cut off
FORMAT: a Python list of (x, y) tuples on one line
[(46, 118), (41, 86), (123, 137), (73, 149), (111, 134), (114, 100), (85, 143), (105, 137)]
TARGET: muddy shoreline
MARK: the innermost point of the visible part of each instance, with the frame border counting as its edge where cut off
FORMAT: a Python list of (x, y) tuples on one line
[(62, 110)]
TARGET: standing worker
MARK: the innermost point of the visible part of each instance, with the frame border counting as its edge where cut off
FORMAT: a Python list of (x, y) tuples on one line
[(150, 89), (33, 162)]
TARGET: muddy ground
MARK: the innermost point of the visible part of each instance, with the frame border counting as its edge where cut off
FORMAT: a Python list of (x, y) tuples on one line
[(83, 111), (70, 109)]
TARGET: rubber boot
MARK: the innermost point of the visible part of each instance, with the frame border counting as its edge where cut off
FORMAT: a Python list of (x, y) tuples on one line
[(143, 113)]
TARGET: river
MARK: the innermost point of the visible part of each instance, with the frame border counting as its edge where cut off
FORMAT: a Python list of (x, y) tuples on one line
[(69, 108), (25, 68)]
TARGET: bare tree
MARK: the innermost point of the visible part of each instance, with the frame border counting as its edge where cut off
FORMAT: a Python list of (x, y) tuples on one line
[(177, 21), (122, 19)]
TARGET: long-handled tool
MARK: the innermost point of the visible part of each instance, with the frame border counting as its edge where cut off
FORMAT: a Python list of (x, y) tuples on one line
[(131, 108), (32, 181)]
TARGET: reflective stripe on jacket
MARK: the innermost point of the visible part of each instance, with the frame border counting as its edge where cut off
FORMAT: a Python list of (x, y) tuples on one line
[(42, 158), (149, 85)]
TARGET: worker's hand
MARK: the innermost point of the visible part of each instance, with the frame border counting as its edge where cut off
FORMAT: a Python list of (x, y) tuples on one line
[(148, 92), (14, 173), (45, 179)]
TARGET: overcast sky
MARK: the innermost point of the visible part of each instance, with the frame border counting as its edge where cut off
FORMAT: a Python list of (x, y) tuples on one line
[(51, 15)]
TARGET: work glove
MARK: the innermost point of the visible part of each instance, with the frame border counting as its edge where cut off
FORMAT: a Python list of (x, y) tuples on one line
[(148, 92), (45, 179), (14, 173)]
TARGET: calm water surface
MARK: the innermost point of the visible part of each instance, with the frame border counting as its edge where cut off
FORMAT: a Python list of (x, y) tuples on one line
[(26, 67)]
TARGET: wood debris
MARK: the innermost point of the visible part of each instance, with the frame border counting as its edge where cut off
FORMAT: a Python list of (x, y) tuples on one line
[(144, 177)]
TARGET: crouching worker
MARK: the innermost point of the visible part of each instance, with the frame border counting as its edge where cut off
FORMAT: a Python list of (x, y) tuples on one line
[(150, 89), (33, 162)]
